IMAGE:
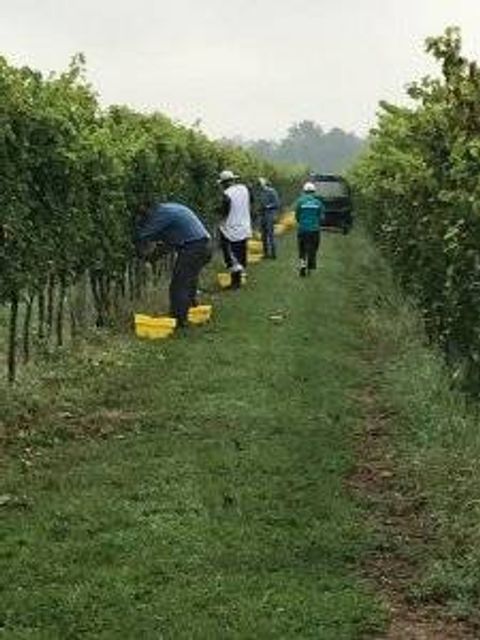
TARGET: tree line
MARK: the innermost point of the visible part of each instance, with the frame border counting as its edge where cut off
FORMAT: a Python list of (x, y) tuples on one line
[(307, 144)]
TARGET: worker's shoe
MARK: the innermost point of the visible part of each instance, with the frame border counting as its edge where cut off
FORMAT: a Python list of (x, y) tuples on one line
[(303, 268)]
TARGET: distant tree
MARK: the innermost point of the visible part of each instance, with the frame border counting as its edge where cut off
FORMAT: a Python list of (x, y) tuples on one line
[(265, 148), (306, 143)]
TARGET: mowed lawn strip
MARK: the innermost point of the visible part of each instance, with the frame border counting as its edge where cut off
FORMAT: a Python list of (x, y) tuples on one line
[(223, 512)]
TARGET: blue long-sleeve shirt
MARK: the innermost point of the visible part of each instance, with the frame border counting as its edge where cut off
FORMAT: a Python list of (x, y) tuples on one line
[(174, 224), (269, 200)]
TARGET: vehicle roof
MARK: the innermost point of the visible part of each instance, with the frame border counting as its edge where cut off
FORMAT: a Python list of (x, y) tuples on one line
[(328, 177)]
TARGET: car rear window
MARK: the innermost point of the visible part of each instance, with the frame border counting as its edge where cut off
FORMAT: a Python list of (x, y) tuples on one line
[(331, 189)]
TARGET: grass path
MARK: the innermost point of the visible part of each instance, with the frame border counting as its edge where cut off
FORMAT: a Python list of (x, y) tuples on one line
[(215, 505)]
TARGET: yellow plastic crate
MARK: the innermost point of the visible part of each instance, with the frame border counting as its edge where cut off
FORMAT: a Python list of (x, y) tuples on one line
[(200, 314), (154, 328), (255, 246), (288, 220), (225, 279)]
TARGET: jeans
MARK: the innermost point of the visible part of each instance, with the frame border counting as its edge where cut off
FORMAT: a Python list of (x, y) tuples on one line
[(190, 260), (267, 222), (308, 244), (235, 258)]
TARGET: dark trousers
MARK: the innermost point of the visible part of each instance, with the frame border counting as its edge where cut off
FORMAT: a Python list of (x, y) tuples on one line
[(267, 223), (308, 244), (189, 262), (234, 252)]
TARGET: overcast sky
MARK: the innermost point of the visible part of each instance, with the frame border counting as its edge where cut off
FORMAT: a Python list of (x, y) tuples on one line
[(245, 67)]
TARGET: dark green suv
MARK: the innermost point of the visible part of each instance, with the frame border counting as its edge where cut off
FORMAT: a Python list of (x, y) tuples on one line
[(336, 194)]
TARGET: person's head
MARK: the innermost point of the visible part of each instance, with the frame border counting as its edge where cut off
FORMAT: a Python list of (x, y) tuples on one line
[(227, 177), (263, 182), (309, 188)]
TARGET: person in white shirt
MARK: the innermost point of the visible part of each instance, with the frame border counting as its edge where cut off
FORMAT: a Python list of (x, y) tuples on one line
[(236, 225)]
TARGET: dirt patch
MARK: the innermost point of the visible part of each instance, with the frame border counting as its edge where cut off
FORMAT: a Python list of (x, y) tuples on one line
[(28, 442), (403, 528), (101, 423)]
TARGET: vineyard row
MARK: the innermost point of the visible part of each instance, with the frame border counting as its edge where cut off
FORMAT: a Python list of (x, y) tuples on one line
[(418, 186), (73, 174)]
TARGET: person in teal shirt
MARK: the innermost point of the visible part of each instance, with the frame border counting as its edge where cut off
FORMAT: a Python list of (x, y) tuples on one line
[(310, 213)]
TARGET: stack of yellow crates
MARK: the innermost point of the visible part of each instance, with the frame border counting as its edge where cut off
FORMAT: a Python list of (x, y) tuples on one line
[(255, 251)]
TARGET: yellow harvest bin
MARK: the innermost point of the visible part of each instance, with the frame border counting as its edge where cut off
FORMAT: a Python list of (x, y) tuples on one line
[(280, 229), (200, 314), (254, 258), (202, 309), (288, 220), (254, 246), (225, 279), (154, 328)]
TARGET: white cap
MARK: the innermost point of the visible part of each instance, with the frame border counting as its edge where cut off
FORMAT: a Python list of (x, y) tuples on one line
[(308, 187), (226, 175), (263, 182)]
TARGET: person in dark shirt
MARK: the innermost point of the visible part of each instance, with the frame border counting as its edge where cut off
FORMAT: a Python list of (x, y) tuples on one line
[(269, 206), (180, 229)]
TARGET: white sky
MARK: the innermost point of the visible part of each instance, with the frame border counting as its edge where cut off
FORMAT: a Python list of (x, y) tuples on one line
[(245, 67)]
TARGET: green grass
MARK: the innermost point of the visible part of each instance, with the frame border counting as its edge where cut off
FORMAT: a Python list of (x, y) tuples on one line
[(435, 441), (196, 488)]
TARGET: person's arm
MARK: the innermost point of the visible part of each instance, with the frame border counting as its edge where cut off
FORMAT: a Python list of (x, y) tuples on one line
[(263, 201), (224, 208), (251, 199), (158, 250), (297, 211), (256, 206), (149, 228)]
